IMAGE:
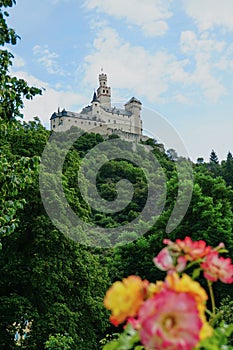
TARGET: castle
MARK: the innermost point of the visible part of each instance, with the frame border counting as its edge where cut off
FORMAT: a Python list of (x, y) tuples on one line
[(100, 117)]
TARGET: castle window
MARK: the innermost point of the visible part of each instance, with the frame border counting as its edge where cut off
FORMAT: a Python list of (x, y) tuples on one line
[(75, 121), (107, 91), (54, 126), (103, 91), (89, 123), (96, 104), (94, 123), (68, 120), (81, 122)]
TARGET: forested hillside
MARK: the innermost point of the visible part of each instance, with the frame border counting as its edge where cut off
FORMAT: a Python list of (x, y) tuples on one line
[(56, 283), (59, 283)]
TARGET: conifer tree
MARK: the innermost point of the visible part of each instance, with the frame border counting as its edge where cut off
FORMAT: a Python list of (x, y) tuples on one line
[(213, 165), (228, 169), (213, 157)]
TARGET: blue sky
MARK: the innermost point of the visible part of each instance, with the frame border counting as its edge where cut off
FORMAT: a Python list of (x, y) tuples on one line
[(176, 56)]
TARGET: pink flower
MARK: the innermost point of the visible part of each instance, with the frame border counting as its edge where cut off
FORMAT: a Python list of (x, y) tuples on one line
[(166, 262), (216, 267), (169, 320), (193, 250)]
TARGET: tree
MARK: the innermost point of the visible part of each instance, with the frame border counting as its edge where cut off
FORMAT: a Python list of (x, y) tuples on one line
[(227, 169), (172, 154), (213, 157), (59, 342), (209, 217), (14, 172), (200, 160), (46, 278), (12, 89), (213, 165)]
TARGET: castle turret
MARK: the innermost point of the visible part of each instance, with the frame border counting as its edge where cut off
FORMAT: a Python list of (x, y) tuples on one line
[(134, 106), (104, 91), (95, 105)]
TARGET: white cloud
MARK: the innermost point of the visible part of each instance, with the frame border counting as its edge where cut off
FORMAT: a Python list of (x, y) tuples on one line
[(149, 15), (153, 75), (43, 106), (48, 59), (190, 43), (210, 13), (206, 53), (129, 67), (182, 99)]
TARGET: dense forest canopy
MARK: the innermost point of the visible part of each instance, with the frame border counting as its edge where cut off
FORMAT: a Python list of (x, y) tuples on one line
[(55, 283)]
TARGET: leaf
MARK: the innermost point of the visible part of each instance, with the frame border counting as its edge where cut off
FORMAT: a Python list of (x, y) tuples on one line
[(196, 273)]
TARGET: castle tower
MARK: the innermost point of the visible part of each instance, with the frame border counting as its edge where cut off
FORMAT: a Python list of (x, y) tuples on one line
[(104, 91), (134, 106)]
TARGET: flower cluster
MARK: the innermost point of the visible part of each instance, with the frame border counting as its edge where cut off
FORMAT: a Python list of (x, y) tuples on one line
[(171, 314), (177, 255)]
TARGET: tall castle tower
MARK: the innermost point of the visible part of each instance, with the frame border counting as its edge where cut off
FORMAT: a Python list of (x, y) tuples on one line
[(104, 91), (134, 106)]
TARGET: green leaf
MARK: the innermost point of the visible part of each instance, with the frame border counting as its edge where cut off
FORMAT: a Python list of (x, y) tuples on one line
[(196, 273)]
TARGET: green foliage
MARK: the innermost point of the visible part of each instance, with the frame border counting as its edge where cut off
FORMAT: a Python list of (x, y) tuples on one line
[(213, 157), (127, 341), (14, 172), (219, 340), (224, 315), (109, 338), (57, 283), (227, 169), (7, 35), (14, 312), (15, 175), (12, 89), (59, 342), (209, 217)]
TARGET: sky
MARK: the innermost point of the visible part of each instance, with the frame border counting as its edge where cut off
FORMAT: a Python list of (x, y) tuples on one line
[(176, 56)]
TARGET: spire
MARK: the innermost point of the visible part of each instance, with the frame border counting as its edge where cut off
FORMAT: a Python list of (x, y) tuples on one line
[(94, 99)]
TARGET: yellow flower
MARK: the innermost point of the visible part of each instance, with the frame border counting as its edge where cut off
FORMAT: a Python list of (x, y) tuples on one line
[(186, 284), (125, 298), (206, 330), (154, 288)]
